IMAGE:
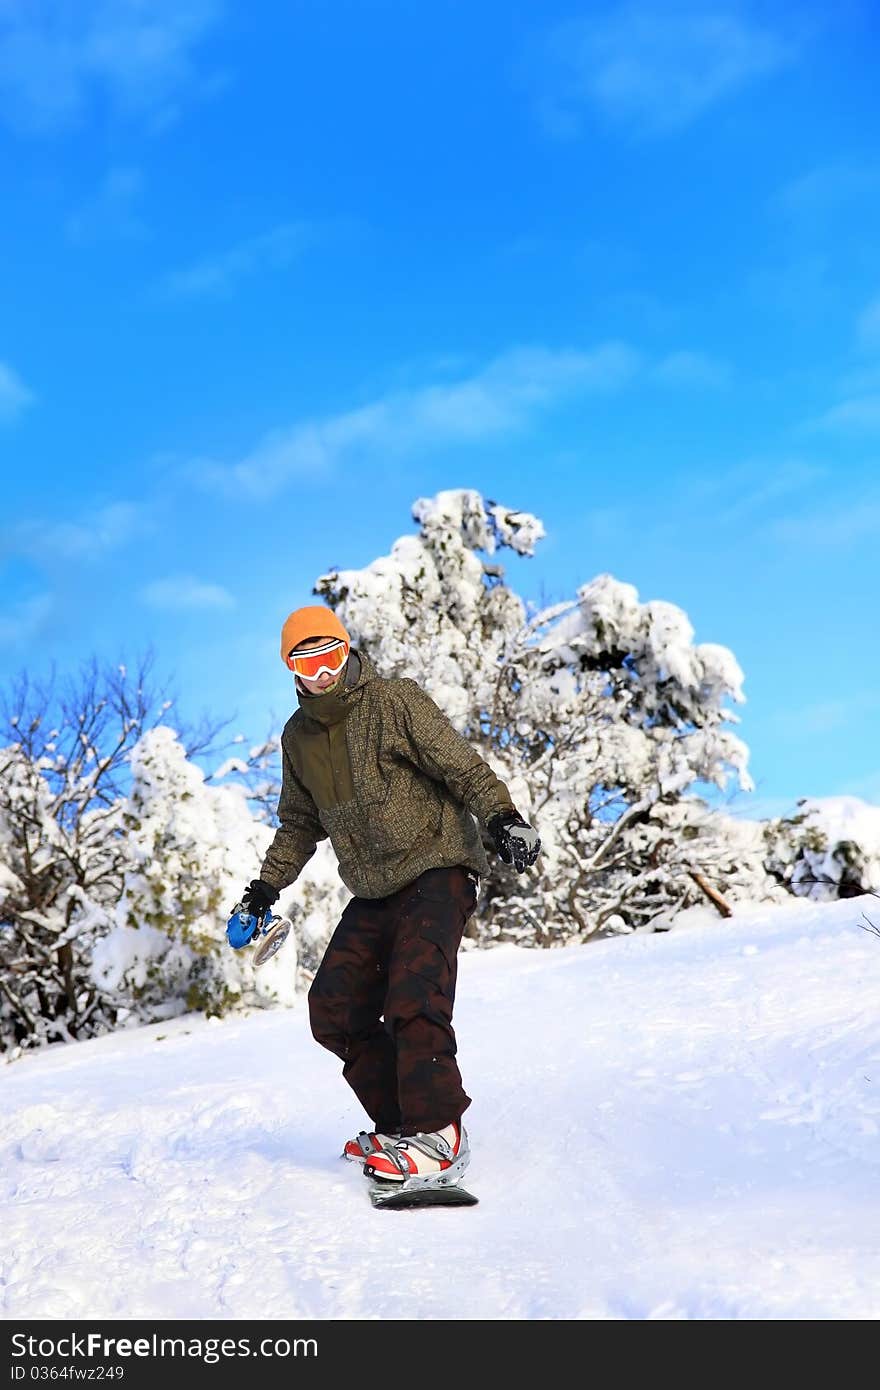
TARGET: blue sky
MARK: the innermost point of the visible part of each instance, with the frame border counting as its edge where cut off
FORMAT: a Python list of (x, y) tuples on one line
[(270, 273)]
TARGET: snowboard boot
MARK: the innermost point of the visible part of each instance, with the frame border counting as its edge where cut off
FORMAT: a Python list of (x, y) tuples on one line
[(422, 1159), (367, 1143)]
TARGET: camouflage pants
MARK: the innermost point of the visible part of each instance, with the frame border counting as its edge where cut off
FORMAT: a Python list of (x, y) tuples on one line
[(382, 1000)]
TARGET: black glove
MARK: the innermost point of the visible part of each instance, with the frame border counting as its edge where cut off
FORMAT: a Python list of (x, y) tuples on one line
[(516, 842), (258, 897)]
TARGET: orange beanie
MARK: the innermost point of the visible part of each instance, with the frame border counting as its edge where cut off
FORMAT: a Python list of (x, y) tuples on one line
[(305, 623)]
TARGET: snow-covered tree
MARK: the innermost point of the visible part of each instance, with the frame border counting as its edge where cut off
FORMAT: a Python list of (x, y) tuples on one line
[(314, 904), (61, 776), (830, 848), (64, 849), (188, 847), (601, 714), (51, 906)]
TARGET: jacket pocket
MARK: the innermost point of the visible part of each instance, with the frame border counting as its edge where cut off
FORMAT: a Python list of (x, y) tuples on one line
[(384, 827), (394, 822)]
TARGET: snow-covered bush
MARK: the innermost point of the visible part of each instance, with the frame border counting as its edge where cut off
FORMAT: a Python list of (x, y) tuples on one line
[(188, 846), (600, 713), (711, 858), (70, 851), (314, 903), (830, 848), (59, 859)]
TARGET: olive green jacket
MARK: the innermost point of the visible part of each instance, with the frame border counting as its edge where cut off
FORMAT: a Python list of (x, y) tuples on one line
[(379, 768)]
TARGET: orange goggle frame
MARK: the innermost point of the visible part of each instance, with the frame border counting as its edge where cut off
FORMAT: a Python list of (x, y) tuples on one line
[(330, 658)]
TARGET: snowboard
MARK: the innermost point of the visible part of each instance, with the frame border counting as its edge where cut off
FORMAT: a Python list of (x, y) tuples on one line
[(389, 1196)]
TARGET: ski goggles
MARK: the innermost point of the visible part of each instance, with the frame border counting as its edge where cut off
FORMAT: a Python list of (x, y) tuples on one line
[(330, 658)]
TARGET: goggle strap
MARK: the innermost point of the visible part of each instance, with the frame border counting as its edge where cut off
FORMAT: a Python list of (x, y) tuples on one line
[(318, 651), (315, 662)]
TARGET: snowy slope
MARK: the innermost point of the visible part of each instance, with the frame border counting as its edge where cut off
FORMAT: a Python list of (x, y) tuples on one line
[(664, 1126)]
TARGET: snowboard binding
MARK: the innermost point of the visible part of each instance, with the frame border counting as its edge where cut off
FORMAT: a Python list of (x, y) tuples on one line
[(433, 1190), (438, 1189), (269, 932)]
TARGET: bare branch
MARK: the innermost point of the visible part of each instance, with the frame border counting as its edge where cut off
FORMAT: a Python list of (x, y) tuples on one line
[(711, 893)]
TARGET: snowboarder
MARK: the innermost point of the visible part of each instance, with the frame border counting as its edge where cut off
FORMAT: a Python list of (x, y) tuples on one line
[(373, 763)]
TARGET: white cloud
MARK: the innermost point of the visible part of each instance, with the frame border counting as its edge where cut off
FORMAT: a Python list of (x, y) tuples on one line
[(25, 621), (857, 415), (863, 382), (822, 223), (183, 591), (813, 198), (272, 250), (654, 67), (753, 806), (868, 787), (14, 395), (825, 716), (501, 399), (789, 502), (607, 525), (848, 525), (57, 55), (801, 287), (758, 495), (692, 369), (752, 490), (110, 213), (95, 533), (869, 325)]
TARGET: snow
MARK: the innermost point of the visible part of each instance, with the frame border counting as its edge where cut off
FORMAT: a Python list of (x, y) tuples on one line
[(665, 1125), (828, 845), (845, 820)]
